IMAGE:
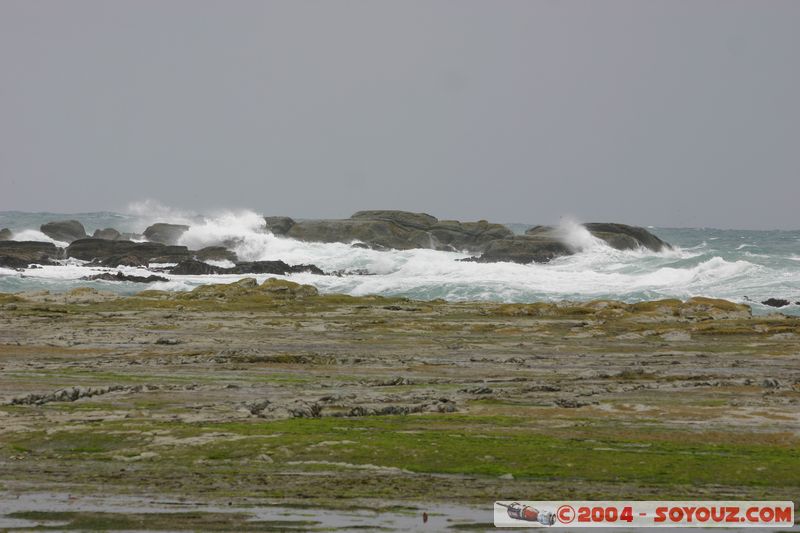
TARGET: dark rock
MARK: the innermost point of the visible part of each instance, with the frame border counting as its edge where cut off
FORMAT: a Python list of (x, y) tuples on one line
[(19, 254), (115, 253), (776, 302), (168, 342), (119, 276), (619, 236), (279, 225), (272, 267), (7, 261), (569, 403), (198, 268), (351, 272), (5, 234), (541, 244), (192, 267), (523, 249), (109, 234), (215, 253), (165, 233), (169, 259), (400, 230), (421, 221), (64, 230), (124, 260), (469, 236), (477, 390)]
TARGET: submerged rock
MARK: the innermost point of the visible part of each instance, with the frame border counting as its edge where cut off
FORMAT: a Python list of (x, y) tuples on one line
[(272, 267), (165, 233), (198, 268), (64, 230), (523, 249), (119, 276)]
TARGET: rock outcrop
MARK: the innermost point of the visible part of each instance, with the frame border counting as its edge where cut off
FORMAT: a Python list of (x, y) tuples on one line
[(215, 253), (110, 234), (541, 244), (192, 267), (5, 234), (624, 237), (20, 254), (116, 253), (165, 233), (198, 268), (523, 249), (272, 267), (64, 230), (399, 230), (402, 230)]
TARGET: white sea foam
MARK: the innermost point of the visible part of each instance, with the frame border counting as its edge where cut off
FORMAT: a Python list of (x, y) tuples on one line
[(703, 267), (596, 268), (36, 235), (576, 236)]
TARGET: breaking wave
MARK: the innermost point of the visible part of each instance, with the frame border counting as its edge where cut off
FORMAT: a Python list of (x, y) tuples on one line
[(737, 265)]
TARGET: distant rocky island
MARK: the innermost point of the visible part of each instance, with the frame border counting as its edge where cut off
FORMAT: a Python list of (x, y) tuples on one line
[(376, 229)]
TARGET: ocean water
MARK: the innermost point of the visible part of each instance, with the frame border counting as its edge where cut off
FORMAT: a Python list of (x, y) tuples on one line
[(739, 265)]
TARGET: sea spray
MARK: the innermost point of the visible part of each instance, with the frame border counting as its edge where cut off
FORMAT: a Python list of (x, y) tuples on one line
[(703, 263), (576, 236)]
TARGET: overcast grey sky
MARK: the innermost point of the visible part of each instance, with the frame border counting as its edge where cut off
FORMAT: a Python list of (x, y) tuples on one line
[(671, 113)]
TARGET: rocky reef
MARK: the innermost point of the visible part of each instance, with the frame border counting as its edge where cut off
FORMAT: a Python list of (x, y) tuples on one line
[(199, 268), (399, 230), (375, 229), (402, 230), (242, 394), (116, 253)]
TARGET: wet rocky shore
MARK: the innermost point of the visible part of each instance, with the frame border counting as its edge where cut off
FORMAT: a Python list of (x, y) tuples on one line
[(245, 395)]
